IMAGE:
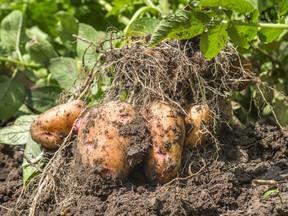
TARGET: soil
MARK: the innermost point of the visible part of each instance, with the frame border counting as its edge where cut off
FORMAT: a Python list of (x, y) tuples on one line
[(230, 178)]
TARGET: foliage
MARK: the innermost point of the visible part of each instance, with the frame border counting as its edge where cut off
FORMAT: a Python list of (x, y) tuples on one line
[(217, 21)]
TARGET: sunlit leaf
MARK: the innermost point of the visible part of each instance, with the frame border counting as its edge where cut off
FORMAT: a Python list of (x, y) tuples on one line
[(269, 34), (65, 71), (33, 152), (213, 41), (89, 33), (18, 133), (241, 6), (11, 29), (242, 35), (283, 7), (181, 25), (142, 26)]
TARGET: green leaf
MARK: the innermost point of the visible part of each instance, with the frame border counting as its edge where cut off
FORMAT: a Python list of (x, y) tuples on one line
[(42, 13), (254, 15), (11, 29), (168, 24), (283, 7), (119, 5), (270, 192), (181, 25), (142, 26), (197, 25), (33, 153), (18, 133), (242, 35), (241, 6), (89, 33), (66, 27), (12, 96), (269, 34), (65, 71), (43, 98), (213, 41), (40, 51)]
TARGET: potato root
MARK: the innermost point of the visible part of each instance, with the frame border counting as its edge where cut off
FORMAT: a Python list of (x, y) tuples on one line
[(100, 144), (167, 134), (199, 118), (52, 126)]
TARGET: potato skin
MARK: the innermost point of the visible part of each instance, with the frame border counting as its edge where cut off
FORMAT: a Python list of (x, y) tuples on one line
[(199, 118), (100, 144), (52, 126), (167, 135)]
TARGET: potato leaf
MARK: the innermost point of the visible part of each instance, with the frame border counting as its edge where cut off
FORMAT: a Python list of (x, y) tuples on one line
[(89, 33), (66, 27), (31, 168), (43, 98), (241, 6), (11, 29), (18, 133), (142, 26), (213, 41), (283, 7), (65, 71), (181, 25), (12, 96), (269, 34), (41, 51), (242, 35)]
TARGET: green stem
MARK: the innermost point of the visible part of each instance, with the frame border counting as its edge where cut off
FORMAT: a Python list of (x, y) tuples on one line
[(266, 25), (150, 4), (20, 63)]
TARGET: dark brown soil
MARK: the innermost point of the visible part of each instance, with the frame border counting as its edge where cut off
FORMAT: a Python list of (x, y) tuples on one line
[(223, 187)]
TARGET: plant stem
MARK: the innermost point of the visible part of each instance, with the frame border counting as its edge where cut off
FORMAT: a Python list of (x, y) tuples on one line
[(20, 63), (266, 25)]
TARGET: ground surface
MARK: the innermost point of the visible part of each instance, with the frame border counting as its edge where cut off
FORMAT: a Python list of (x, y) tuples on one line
[(224, 185)]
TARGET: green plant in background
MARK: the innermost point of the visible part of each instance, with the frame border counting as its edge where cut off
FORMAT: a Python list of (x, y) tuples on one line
[(40, 58)]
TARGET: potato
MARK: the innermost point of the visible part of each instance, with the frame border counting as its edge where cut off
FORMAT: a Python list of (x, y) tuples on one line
[(52, 126), (167, 134), (199, 118), (100, 144)]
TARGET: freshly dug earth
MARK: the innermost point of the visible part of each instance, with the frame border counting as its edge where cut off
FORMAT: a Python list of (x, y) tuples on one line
[(222, 187)]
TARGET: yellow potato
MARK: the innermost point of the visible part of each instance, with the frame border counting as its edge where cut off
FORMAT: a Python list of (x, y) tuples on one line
[(52, 126), (198, 121), (167, 134), (100, 144)]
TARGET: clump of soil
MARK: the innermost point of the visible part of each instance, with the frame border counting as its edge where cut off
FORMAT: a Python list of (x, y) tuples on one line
[(222, 187)]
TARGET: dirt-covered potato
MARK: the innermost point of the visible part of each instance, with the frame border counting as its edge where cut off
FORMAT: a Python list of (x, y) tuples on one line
[(100, 143), (198, 120), (52, 126), (167, 130)]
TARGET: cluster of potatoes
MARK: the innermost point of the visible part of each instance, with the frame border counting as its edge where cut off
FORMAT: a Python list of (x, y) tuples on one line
[(100, 143)]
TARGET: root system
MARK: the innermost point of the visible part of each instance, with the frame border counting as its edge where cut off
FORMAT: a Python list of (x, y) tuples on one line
[(174, 71)]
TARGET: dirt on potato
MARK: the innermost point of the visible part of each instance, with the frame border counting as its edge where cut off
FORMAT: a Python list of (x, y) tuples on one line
[(224, 185)]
